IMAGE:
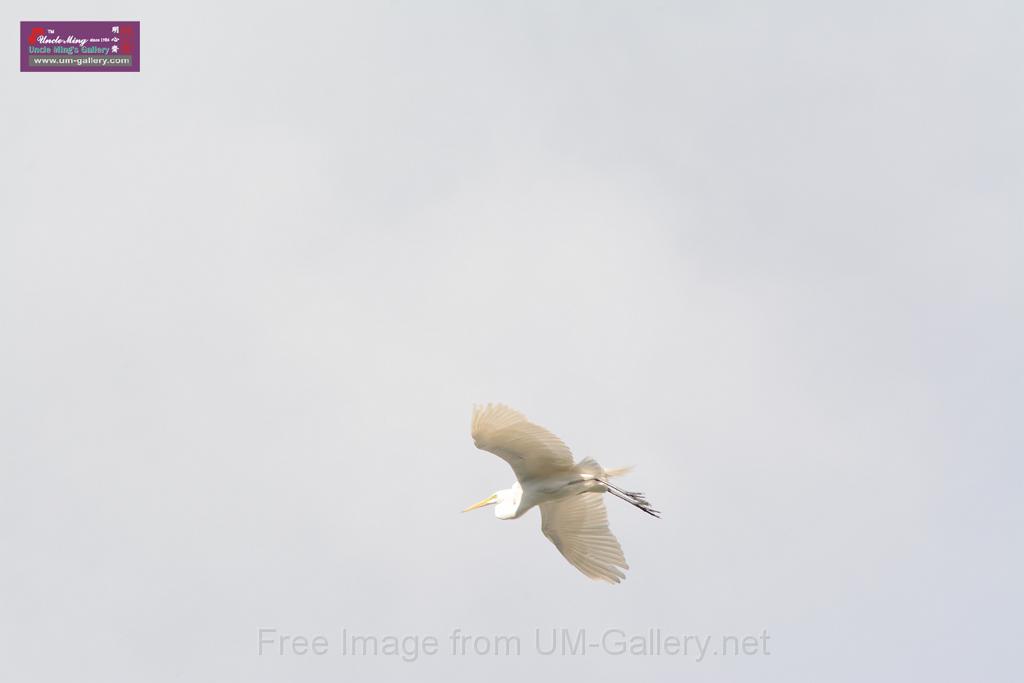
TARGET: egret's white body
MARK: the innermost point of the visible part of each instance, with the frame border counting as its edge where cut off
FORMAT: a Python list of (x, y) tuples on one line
[(570, 494)]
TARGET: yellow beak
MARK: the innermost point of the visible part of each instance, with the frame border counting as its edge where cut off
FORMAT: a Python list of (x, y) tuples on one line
[(486, 501)]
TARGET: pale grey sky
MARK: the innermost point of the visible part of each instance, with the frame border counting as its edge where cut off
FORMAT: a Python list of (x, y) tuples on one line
[(766, 252)]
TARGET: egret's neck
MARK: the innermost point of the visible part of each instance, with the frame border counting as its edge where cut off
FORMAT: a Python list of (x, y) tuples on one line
[(508, 506)]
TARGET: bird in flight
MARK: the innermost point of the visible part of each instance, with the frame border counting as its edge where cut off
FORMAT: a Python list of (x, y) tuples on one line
[(570, 494)]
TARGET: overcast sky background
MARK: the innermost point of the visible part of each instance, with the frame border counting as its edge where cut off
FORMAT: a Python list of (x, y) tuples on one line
[(769, 253)]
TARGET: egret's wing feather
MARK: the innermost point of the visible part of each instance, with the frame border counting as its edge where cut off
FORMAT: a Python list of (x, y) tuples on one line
[(578, 526), (531, 450)]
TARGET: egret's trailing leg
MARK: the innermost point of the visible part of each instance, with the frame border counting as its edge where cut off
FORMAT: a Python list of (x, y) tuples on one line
[(634, 498)]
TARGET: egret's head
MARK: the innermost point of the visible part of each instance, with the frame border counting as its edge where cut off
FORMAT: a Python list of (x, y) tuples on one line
[(506, 500)]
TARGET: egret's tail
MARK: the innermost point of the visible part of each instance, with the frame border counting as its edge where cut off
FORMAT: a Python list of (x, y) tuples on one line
[(618, 471), (590, 466)]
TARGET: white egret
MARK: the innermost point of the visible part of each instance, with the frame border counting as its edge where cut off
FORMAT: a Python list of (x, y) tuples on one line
[(570, 494)]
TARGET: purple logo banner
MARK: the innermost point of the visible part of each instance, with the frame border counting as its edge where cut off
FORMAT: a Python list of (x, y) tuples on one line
[(79, 46)]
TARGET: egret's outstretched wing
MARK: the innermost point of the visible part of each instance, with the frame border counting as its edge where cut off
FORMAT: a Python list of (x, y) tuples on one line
[(578, 526), (531, 450)]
